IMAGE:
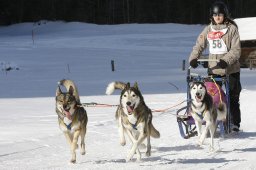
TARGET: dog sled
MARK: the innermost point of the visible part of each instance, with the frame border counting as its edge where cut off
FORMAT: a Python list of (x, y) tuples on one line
[(185, 120)]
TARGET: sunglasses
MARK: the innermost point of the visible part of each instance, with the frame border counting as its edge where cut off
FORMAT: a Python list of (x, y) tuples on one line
[(219, 14)]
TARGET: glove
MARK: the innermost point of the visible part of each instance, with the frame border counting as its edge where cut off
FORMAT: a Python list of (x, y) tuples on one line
[(204, 64), (222, 64), (193, 63)]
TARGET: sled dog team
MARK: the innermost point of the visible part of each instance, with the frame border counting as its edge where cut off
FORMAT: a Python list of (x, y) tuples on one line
[(133, 116)]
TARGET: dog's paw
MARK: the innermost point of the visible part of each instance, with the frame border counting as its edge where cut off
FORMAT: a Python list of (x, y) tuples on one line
[(211, 149), (127, 160), (73, 158), (148, 153), (73, 161), (199, 143), (129, 157), (83, 152), (138, 160), (122, 143)]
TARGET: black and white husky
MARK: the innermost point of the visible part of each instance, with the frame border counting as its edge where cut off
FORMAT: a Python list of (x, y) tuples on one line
[(134, 118), (203, 110)]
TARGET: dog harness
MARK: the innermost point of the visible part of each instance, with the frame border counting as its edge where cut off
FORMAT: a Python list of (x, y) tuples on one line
[(69, 126), (67, 122), (64, 119), (126, 121), (134, 126), (199, 114)]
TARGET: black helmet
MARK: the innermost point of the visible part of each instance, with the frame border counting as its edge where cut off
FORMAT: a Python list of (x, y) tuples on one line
[(219, 7)]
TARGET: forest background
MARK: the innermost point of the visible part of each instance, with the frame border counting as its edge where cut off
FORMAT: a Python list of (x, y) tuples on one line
[(118, 11)]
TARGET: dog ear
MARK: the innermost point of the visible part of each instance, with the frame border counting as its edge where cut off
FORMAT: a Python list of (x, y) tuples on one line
[(191, 84), (58, 91), (136, 86), (128, 85), (71, 90)]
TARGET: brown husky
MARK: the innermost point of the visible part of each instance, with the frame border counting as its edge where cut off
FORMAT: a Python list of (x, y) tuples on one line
[(134, 118), (72, 118)]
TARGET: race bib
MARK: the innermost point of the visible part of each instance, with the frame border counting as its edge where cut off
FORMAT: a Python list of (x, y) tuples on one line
[(216, 44)]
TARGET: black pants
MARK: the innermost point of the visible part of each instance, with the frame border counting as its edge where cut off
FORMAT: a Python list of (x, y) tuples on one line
[(234, 93)]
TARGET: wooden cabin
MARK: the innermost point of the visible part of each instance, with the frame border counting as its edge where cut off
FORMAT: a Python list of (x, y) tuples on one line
[(247, 32)]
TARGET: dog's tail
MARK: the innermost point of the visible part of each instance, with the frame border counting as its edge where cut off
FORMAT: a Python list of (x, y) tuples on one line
[(222, 111), (115, 85), (70, 85), (154, 133)]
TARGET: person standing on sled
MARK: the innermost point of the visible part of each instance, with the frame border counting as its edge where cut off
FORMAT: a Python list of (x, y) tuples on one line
[(223, 40)]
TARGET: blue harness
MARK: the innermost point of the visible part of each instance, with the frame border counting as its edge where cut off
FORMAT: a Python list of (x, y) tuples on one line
[(69, 126), (134, 126), (200, 115)]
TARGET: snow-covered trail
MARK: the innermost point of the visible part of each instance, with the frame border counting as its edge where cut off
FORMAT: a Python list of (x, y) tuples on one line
[(31, 139)]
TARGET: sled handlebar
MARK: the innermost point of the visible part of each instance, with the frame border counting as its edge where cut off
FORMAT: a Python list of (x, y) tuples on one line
[(203, 60), (207, 60)]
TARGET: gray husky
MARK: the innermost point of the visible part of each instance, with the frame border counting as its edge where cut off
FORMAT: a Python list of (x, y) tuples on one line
[(72, 118), (134, 118), (203, 110)]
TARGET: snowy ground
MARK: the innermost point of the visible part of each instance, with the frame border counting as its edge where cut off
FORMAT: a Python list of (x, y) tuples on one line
[(150, 54)]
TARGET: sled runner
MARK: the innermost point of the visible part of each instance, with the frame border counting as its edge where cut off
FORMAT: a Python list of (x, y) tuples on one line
[(185, 121)]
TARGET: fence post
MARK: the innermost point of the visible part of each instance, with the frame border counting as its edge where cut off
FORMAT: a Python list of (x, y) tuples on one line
[(68, 68), (183, 64), (33, 36), (112, 65)]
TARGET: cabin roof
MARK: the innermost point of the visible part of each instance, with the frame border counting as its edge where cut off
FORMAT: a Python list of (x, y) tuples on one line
[(246, 28)]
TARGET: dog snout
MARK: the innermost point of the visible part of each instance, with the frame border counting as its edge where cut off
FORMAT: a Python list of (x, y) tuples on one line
[(128, 103), (65, 107), (198, 94)]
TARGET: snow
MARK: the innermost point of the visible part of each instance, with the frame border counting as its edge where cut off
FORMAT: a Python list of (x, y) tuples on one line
[(150, 54)]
